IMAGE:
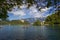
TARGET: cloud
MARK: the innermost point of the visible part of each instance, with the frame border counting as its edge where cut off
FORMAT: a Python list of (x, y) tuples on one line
[(20, 13), (34, 11), (17, 12), (28, 13), (44, 9)]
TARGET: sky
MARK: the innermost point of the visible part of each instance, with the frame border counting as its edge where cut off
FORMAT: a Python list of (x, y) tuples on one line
[(23, 12)]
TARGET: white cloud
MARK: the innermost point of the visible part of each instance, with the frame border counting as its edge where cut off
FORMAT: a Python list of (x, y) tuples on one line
[(20, 12), (37, 15), (44, 9), (32, 11)]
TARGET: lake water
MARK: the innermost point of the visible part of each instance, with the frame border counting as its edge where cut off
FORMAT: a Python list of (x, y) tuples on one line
[(18, 32)]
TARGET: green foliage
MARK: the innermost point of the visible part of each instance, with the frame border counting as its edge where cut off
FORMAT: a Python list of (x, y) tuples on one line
[(54, 18), (18, 22), (19, 2), (14, 22), (3, 13), (30, 1), (7, 5), (37, 23), (49, 3)]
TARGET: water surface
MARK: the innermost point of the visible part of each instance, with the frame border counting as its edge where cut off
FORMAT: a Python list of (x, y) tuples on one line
[(18, 32)]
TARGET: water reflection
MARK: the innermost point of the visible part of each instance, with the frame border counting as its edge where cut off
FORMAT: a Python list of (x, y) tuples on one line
[(18, 32)]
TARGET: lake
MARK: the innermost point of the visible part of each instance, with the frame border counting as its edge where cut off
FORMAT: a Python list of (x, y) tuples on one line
[(19, 32)]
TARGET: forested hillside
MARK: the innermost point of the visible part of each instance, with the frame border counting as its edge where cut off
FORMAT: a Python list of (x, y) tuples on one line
[(54, 18)]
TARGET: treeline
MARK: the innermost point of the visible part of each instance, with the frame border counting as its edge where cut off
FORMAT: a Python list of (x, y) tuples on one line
[(19, 22), (54, 18), (14, 22), (37, 23)]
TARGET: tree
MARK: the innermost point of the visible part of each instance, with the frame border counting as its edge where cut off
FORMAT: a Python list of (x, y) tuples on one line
[(54, 18), (52, 3), (3, 10), (7, 5), (37, 23)]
